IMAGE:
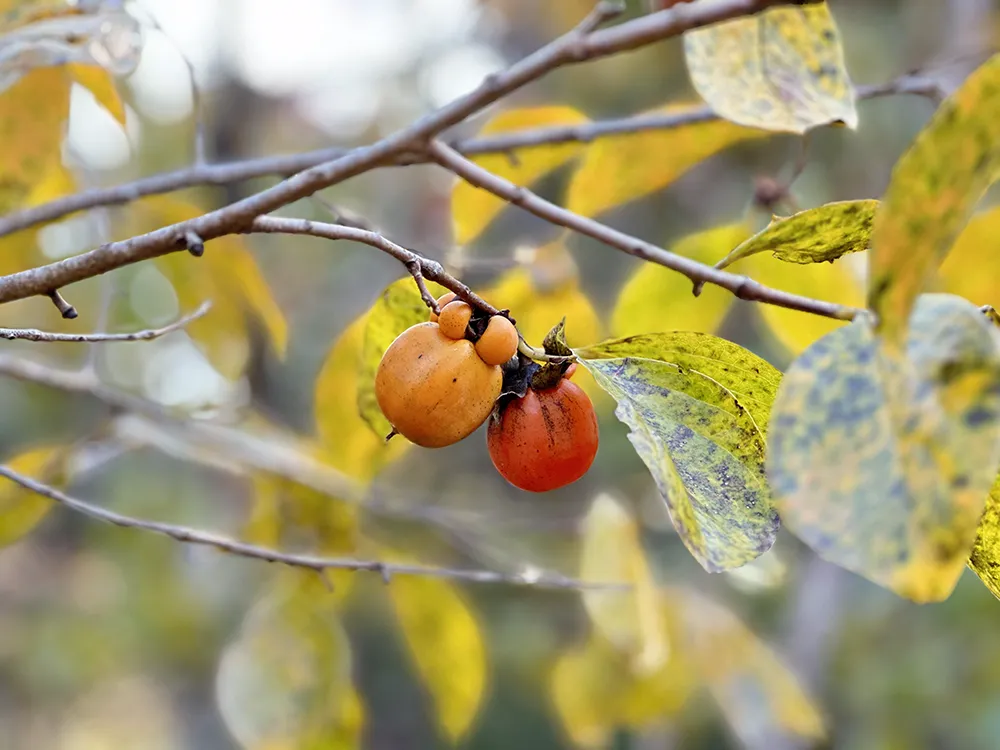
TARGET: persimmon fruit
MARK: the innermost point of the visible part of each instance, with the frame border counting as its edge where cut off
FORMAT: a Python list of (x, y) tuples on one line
[(546, 439), (435, 390), (443, 300), (498, 342), (454, 318)]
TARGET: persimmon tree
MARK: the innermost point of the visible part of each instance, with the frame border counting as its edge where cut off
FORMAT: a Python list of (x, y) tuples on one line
[(878, 447)]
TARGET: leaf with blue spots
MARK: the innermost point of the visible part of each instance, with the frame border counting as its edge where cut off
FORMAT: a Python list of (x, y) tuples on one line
[(882, 463)]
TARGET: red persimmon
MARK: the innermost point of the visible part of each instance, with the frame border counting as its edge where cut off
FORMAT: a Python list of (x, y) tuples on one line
[(545, 440)]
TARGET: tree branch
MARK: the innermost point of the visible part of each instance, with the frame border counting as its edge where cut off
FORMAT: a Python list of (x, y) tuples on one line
[(417, 265), (33, 334), (579, 45), (188, 535), (741, 286), (501, 143)]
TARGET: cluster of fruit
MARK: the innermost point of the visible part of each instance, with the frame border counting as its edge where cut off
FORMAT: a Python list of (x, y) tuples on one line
[(441, 379)]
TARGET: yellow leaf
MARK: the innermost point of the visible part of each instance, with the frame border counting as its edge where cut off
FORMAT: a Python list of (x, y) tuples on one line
[(227, 274), (286, 679), (596, 689), (972, 266), (755, 690), (934, 188), (621, 168), (832, 282), (659, 299), (292, 517), (349, 444), (20, 509), (101, 84), (397, 308), (446, 643), (32, 114), (985, 557), (612, 553), (816, 235), (782, 69), (473, 209)]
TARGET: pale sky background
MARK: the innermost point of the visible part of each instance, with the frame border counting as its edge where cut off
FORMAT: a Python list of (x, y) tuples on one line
[(337, 62)]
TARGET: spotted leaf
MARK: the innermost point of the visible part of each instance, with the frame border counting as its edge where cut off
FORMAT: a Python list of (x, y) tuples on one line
[(816, 235), (782, 69), (882, 465), (705, 453), (933, 191), (745, 377)]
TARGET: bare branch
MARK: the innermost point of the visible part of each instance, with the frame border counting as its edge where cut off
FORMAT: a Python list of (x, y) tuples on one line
[(741, 286), (577, 46), (189, 535), (33, 334), (283, 166), (417, 265)]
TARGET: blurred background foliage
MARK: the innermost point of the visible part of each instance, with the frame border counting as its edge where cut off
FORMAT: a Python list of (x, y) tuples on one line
[(112, 639)]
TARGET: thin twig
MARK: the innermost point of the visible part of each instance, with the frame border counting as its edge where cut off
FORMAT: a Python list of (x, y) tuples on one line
[(417, 265), (188, 535), (741, 286), (33, 334), (62, 305), (500, 143), (577, 46)]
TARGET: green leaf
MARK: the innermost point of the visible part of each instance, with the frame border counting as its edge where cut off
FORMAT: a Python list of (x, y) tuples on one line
[(446, 643), (816, 235), (985, 557), (705, 453), (398, 307), (286, 679), (752, 381), (782, 69), (882, 465), (622, 168), (655, 297), (20, 509), (933, 191), (472, 208)]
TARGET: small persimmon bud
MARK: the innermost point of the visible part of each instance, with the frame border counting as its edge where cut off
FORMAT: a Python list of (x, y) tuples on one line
[(443, 300), (498, 342), (454, 319)]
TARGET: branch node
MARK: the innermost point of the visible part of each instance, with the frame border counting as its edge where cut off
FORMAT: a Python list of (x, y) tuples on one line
[(195, 244), (324, 576), (65, 308), (384, 571), (414, 267)]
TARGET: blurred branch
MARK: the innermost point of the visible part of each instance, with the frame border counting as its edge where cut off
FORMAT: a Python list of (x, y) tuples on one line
[(741, 286), (33, 334), (283, 166), (579, 45), (417, 265), (190, 535)]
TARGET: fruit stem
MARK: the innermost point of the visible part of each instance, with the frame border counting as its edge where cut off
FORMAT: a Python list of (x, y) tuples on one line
[(539, 354)]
